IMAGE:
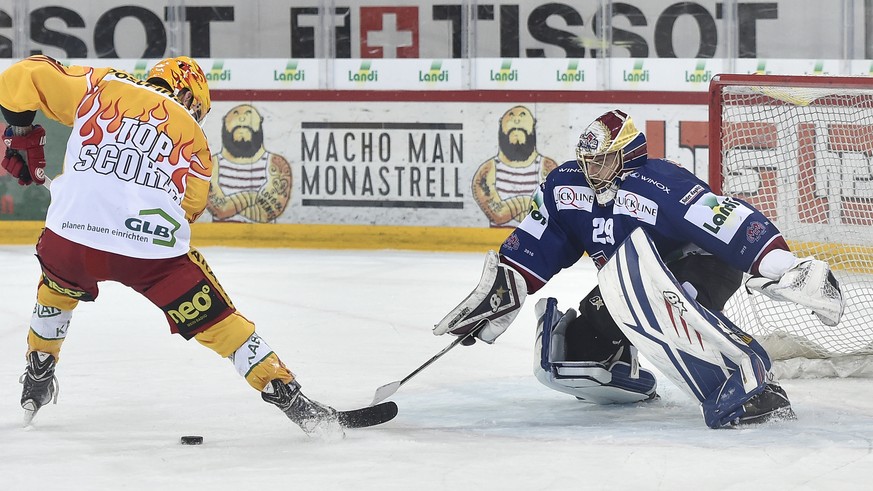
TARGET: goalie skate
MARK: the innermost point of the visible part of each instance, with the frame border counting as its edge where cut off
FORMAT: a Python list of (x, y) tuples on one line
[(40, 386), (771, 404)]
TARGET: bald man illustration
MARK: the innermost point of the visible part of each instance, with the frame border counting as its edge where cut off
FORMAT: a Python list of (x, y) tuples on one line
[(250, 185), (503, 184)]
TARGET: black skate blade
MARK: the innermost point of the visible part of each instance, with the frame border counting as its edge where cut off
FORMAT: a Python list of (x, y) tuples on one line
[(368, 416), (779, 414)]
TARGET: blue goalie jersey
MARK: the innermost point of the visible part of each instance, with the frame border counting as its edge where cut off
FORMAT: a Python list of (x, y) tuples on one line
[(680, 213)]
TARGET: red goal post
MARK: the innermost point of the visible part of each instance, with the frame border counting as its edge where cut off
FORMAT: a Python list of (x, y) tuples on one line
[(800, 148)]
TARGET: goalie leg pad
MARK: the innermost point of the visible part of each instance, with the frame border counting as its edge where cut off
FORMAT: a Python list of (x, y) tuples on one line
[(702, 353), (589, 381)]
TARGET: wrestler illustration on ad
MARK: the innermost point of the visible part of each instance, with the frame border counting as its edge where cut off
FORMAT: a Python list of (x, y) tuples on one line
[(503, 184), (251, 184)]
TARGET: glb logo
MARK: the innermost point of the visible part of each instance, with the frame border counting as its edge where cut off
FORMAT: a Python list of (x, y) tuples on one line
[(156, 223)]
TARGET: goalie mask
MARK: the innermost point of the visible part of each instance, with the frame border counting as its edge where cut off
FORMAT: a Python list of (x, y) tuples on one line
[(188, 83), (609, 149)]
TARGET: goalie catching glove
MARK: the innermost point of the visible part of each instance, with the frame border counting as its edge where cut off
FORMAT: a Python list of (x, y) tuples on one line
[(494, 303), (809, 282)]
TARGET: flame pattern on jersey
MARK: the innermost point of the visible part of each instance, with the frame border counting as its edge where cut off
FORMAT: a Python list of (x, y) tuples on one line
[(137, 164)]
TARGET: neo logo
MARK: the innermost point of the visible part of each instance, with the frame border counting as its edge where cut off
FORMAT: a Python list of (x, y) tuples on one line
[(190, 310)]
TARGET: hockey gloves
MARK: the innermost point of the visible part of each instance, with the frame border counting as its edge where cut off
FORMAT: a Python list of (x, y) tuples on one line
[(810, 283), (30, 170), (493, 305)]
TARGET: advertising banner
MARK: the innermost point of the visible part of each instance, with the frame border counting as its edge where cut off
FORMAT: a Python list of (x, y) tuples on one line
[(418, 74), (536, 74), (544, 74), (436, 29), (449, 163)]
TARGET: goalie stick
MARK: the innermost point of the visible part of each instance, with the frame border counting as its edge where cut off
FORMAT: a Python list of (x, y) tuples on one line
[(387, 390), (368, 416)]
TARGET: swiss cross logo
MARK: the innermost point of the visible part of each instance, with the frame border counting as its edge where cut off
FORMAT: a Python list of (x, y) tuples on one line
[(389, 32)]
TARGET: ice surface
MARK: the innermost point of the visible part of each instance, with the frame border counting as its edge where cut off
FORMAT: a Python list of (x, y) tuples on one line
[(347, 322)]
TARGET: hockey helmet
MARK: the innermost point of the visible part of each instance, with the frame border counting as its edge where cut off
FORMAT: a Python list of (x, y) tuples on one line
[(184, 76), (609, 149)]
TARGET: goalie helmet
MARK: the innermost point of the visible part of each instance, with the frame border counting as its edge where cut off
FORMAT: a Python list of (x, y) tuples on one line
[(185, 76), (609, 149)]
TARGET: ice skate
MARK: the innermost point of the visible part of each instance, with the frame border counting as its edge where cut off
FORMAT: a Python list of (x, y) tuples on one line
[(40, 384), (313, 417), (771, 404)]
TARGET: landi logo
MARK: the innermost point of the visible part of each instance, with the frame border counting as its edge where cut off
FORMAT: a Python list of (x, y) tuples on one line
[(290, 74), (218, 72), (637, 74), (571, 74), (700, 74), (364, 74), (140, 70), (435, 74), (505, 74), (157, 224)]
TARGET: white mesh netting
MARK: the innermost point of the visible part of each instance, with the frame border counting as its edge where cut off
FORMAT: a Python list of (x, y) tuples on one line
[(803, 157)]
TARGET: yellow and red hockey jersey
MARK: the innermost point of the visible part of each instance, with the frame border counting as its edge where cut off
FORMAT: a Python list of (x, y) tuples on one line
[(137, 165)]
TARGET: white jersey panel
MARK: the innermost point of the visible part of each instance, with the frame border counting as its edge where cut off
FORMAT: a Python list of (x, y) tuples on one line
[(135, 174)]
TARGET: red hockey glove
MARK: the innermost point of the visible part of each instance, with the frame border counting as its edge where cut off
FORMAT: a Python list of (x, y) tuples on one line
[(33, 169)]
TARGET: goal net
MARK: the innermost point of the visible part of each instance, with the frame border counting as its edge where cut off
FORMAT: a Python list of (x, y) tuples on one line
[(801, 150)]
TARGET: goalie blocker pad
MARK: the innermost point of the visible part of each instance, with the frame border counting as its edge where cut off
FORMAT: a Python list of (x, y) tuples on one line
[(704, 354), (588, 381), (494, 302)]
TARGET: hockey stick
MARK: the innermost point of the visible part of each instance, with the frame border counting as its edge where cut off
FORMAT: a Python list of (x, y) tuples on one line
[(387, 390)]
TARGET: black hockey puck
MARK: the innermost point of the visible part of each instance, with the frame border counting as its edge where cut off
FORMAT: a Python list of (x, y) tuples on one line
[(191, 440)]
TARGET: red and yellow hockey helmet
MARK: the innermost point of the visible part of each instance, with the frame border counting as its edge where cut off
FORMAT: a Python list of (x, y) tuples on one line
[(608, 150), (184, 74)]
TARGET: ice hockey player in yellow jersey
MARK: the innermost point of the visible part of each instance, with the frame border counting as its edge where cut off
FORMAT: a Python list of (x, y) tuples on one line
[(136, 172)]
